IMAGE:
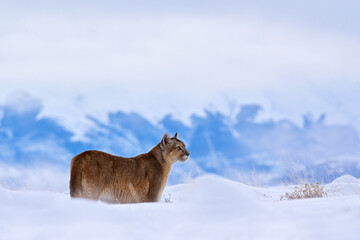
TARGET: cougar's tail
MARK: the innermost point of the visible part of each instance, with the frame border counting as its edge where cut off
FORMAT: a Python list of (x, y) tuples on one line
[(76, 177)]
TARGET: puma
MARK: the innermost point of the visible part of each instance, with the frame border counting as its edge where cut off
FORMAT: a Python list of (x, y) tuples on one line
[(101, 176)]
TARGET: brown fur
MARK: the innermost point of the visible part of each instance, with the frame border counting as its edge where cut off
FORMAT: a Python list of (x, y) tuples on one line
[(102, 176)]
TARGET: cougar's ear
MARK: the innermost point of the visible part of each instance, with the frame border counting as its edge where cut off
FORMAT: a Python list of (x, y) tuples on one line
[(176, 135), (165, 140)]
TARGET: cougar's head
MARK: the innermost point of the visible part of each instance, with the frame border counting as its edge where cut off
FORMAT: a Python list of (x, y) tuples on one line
[(173, 149)]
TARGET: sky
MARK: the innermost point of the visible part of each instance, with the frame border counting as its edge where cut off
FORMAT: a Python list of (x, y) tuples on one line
[(262, 86), (84, 58)]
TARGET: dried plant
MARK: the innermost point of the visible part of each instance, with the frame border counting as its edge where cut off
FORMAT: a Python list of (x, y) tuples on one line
[(305, 191), (168, 199)]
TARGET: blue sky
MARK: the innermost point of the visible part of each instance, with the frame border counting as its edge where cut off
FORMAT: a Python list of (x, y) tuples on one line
[(90, 58)]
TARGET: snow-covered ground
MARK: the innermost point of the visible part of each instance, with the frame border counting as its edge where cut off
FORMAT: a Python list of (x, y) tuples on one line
[(209, 207)]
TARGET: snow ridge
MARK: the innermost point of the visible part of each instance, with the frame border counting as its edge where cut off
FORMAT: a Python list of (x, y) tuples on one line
[(208, 207)]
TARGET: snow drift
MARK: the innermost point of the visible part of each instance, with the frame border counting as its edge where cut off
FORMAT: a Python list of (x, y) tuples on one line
[(209, 207)]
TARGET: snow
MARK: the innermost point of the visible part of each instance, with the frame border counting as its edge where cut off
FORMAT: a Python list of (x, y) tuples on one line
[(208, 207), (344, 185)]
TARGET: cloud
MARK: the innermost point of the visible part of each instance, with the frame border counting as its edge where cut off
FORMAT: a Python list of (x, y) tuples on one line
[(22, 103), (227, 145), (146, 60), (45, 178), (160, 65)]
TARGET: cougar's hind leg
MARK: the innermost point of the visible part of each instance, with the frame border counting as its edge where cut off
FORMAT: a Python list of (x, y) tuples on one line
[(76, 178)]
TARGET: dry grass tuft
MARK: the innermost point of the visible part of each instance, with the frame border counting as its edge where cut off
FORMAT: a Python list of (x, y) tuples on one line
[(168, 199), (305, 191)]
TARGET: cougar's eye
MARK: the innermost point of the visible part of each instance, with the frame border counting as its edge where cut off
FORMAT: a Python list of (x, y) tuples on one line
[(179, 148)]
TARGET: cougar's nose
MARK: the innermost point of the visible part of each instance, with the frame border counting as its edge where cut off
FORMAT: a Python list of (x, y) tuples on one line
[(187, 153)]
